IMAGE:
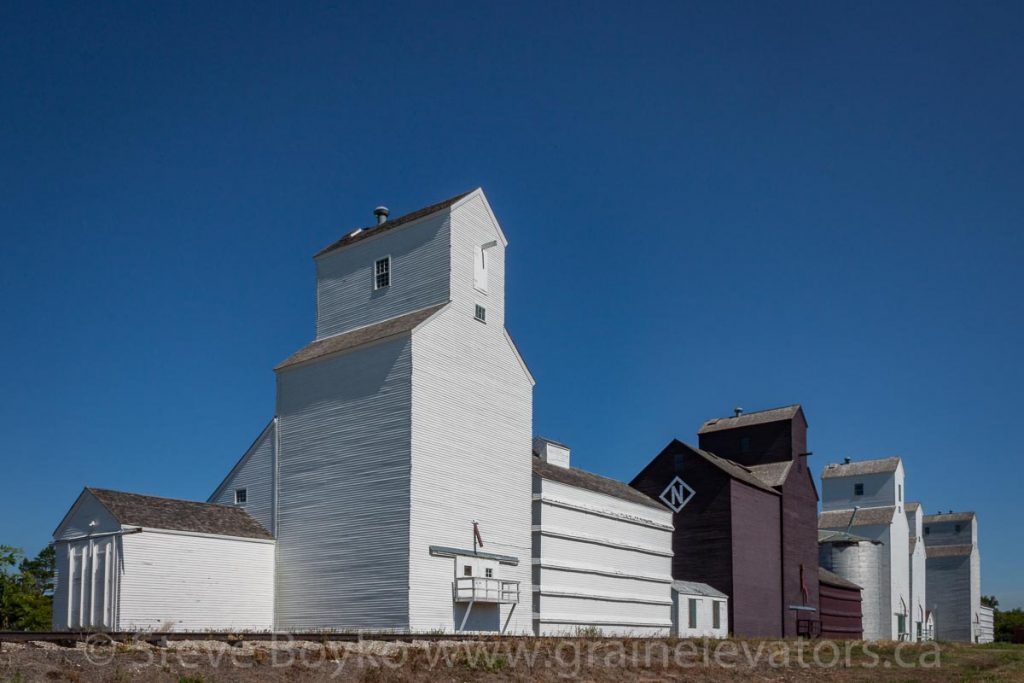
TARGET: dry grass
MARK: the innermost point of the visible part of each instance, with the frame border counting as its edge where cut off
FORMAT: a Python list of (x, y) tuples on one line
[(514, 659)]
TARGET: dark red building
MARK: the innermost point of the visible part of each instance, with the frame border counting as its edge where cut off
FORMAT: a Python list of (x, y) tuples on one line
[(727, 532), (773, 445), (841, 608)]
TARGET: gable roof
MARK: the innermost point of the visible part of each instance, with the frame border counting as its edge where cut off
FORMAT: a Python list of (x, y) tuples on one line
[(133, 509), (842, 519), (361, 234), (949, 517), (734, 470), (912, 507), (948, 550), (572, 476), (830, 579), (718, 424), (359, 336), (697, 588), (773, 473), (853, 469), (827, 536)]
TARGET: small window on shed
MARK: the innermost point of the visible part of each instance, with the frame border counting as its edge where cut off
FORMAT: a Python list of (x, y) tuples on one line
[(693, 613), (716, 614), (858, 489), (467, 570), (481, 313), (382, 273), (241, 496)]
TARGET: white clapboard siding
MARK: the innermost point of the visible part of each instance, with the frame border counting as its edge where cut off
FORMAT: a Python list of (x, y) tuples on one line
[(600, 562), (346, 298), (254, 473), (189, 582), (471, 437), (949, 591), (343, 478)]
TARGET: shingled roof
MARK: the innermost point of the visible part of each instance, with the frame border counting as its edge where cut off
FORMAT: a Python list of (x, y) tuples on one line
[(361, 234), (747, 419), (133, 509), (949, 517), (734, 470), (830, 579), (841, 519), (948, 550), (363, 335), (572, 476), (773, 473), (854, 469)]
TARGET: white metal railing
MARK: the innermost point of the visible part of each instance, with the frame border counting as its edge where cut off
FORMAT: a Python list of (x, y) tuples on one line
[(483, 589)]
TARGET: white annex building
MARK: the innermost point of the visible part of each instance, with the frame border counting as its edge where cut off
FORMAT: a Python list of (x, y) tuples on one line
[(394, 487), (866, 498), (954, 577)]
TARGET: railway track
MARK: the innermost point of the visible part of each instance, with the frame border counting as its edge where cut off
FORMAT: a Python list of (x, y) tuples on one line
[(159, 638)]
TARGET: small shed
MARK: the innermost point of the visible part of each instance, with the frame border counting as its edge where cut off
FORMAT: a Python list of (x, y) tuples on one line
[(842, 616), (699, 611), (128, 562)]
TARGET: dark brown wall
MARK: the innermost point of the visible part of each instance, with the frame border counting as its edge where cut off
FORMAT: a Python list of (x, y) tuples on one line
[(701, 542), (799, 544), (755, 605), (841, 613), (771, 442)]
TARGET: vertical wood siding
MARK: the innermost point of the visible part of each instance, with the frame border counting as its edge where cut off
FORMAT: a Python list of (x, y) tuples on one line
[(254, 473), (181, 582), (756, 603), (472, 406), (343, 490), (593, 569), (346, 298), (799, 544)]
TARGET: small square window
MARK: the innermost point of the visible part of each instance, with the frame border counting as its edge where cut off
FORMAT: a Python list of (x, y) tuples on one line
[(481, 313), (489, 573), (467, 570), (382, 273), (241, 496), (858, 489)]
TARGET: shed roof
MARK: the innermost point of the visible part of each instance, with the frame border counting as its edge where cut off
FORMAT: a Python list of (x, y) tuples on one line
[(853, 469), (950, 517), (772, 473), (696, 588), (827, 536), (358, 337), (572, 476), (718, 424), (361, 234), (133, 509), (830, 579), (948, 550), (842, 519)]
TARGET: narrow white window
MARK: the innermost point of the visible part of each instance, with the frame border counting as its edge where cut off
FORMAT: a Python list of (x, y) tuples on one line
[(481, 313), (241, 496), (382, 273), (480, 264)]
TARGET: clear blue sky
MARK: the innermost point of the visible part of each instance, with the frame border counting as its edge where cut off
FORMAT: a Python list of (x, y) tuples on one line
[(708, 206)]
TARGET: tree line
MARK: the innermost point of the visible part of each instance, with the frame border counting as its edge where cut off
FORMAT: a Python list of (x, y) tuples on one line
[(26, 589), (1006, 623)]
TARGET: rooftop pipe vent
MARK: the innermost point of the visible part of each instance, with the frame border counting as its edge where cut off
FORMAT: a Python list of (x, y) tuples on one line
[(846, 461), (381, 212), (738, 411)]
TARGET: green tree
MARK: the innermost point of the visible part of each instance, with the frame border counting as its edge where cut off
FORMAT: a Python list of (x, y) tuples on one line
[(989, 601), (1007, 623), (26, 589)]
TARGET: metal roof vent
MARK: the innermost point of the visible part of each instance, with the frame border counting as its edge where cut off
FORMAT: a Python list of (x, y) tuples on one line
[(738, 411), (846, 461), (381, 212)]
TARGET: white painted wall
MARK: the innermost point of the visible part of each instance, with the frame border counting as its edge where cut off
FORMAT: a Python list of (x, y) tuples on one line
[(472, 405), (838, 493), (343, 490), (918, 581), (600, 562), (86, 583), (705, 616), (255, 473), (346, 298), (188, 582)]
